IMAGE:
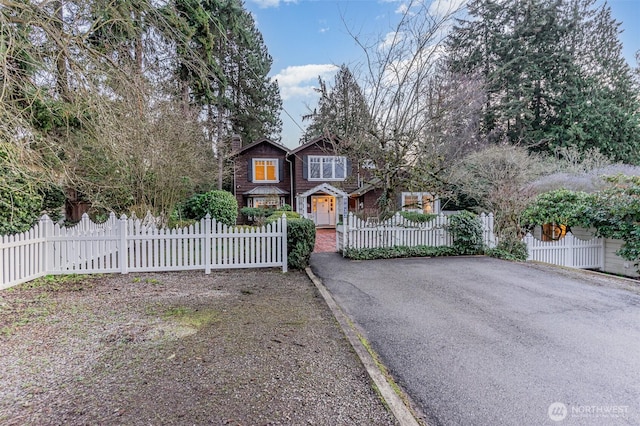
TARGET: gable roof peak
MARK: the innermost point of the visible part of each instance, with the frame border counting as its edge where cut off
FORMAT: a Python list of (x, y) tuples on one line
[(332, 139), (258, 142)]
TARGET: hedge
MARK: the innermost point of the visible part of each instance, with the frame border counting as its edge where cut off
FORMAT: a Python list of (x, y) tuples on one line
[(221, 205), (301, 239), (398, 251)]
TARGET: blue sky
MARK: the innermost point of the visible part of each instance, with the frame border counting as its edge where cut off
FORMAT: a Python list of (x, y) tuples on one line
[(308, 38)]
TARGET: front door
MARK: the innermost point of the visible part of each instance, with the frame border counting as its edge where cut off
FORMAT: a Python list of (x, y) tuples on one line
[(323, 208)]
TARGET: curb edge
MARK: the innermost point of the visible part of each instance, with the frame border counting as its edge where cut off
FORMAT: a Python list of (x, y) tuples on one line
[(393, 401)]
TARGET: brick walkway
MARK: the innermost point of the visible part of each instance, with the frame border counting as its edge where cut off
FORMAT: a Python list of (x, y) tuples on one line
[(325, 241)]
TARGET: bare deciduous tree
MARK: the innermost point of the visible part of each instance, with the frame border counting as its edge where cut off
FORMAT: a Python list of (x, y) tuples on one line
[(499, 179), (411, 108)]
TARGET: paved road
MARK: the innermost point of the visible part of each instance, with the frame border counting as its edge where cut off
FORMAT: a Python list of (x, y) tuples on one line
[(479, 341)]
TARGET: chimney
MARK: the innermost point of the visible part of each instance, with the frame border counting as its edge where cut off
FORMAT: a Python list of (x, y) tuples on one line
[(236, 143)]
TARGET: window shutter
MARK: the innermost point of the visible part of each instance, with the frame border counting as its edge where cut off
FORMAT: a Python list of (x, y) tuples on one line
[(250, 170), (305, 167), (347, 172), (280, 170)]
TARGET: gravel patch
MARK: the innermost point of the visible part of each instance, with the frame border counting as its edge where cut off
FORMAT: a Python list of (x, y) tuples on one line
[(253, 347)]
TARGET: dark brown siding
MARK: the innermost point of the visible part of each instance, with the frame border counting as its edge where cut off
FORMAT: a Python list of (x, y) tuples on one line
[(303, 185), (371, 199), (241, 162)]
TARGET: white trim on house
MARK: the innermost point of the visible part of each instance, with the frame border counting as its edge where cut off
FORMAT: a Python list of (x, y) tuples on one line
[(265, 201), (341, 201), (428, 202), (322, 161), (276, 165)]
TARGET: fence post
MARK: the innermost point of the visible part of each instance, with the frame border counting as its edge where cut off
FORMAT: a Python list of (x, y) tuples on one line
[(123, 253), (207, 244), (570, 242), (484, 220), (345, 229), (47, 253), (283, 225), (492, 235), (528, 240), (441, 227)]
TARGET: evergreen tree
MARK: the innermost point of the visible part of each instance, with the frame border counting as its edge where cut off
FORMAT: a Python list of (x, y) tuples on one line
[(256, 102), (342, 111), (228, 78), (554, 74)]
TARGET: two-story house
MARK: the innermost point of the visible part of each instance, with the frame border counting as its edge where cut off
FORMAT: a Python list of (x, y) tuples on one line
[(312, 178)]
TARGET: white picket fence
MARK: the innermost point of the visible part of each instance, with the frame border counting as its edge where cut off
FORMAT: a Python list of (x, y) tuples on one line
[(129, 245), (569, 251), (398, 231)]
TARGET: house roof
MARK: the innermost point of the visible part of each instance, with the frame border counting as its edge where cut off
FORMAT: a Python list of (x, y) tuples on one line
[(368, 186), (266, 190), (314, 141), (326, 188), (258, 142)]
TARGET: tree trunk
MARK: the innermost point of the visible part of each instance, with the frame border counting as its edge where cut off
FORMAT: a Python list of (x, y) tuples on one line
[(219, 150), (62, 77)]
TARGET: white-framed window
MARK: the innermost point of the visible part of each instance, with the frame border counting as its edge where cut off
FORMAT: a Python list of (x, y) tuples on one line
[(266, 202), (327, 167), (421, 202), (265, 170)]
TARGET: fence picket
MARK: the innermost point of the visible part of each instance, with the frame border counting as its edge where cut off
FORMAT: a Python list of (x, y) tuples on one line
[(395, 231), (129, 244)]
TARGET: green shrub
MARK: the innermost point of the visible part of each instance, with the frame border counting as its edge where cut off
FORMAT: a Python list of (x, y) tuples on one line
[(561, 206), (221, 205), (180, 223), (256, 214), (397, 252), (20, 202), (466, 229), (53, 198), (301, 239), (510, 249), (278, 214), (613, 211), (19, 208), (418, 217)]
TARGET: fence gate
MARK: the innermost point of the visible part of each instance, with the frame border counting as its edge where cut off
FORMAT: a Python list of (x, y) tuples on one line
[(569, 251)]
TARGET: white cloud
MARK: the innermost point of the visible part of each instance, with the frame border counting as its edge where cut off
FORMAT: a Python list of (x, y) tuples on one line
[(402, 9), (299, 81), (324, 27), (441, 8), (264, 4), (390, 40)]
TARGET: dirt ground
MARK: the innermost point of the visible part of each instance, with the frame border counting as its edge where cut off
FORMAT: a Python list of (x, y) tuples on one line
[(254, 347)]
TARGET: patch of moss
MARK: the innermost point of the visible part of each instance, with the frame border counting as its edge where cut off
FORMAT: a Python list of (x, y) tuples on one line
[(195, 318), (71, 282)]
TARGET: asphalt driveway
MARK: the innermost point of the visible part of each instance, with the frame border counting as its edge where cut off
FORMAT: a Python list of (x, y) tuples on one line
[(480, 341)]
